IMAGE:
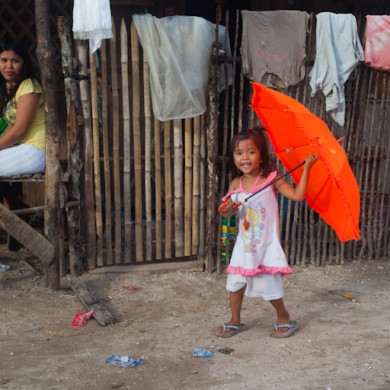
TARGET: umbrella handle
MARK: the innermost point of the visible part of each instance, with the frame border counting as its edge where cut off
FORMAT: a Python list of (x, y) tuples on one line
[(274, 181), (223, 205)]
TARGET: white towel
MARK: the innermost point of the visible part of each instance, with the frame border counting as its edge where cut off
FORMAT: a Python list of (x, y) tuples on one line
[(338, 53), (92, 20)]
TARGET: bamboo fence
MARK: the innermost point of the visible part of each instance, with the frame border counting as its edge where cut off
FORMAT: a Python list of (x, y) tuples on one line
[(306, 238), (156, 185), (148, 176)]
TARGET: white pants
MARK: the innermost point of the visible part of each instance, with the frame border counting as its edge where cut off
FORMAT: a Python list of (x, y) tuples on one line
[(269, 287), (22, 159)]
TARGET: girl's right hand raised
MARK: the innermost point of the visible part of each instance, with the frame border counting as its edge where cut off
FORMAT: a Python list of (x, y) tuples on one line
[(228, 208)]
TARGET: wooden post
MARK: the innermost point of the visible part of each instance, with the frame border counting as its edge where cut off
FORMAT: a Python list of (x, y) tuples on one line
[(88, 198), (211, 158), (158, 187), (74, 124), (137, 143), (148, 162), (178, 186), (46, 58), (106, 155), (116, 148), (196, 187), (126, 141), (96, 160), (187, 186)]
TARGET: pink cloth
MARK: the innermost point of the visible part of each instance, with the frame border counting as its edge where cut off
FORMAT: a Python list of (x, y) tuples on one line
[(377, 48)]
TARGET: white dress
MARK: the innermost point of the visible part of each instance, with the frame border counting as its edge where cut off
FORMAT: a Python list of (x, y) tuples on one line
[(258, 260)]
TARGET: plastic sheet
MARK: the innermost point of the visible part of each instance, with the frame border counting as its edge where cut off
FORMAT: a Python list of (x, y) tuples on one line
[(178, 50)]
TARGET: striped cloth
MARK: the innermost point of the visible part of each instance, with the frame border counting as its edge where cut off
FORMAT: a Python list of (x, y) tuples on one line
[(22, 159)]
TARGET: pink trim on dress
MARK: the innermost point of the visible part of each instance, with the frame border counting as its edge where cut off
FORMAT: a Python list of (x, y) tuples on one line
[(284, 271), (255, 187)]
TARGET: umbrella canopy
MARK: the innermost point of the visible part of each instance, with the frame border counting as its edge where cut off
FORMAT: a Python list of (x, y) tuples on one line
[(295, 132)]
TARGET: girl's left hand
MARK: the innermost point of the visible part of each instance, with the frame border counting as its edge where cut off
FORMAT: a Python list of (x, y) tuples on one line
[(310, 160)]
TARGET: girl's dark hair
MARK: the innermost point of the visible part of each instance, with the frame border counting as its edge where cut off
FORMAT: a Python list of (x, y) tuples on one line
[(257, 135), (28, 70)]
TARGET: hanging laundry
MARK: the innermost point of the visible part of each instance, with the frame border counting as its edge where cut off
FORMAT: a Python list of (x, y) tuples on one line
[(178, 51), (273, 47), (377, 48), (338, 53), (92, 20)]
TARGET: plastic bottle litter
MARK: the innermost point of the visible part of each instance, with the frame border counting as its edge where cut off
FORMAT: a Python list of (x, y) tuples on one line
[(4, 267), (123, 361), (201, 352)]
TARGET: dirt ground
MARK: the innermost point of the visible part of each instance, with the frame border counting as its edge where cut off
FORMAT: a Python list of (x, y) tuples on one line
[(343, 342)]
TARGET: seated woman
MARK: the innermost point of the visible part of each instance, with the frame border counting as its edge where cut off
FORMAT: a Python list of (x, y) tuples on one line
[(22, 145)]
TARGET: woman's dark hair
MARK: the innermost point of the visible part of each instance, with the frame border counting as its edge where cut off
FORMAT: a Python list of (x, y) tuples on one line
[(257, 135), (28, 70)]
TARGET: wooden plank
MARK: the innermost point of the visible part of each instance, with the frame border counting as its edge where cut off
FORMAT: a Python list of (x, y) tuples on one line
[(106, 154), (126, 121), (168, 189), (187, 186), (148, 163), (116, 148), (37, 244), (158, 188), (88, 217), (178, 187), (195, 187), (137, 131), (195, 265), (101, 314), (96, 160)]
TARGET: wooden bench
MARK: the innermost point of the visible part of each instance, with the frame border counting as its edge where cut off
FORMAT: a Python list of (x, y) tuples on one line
[(35, 177)]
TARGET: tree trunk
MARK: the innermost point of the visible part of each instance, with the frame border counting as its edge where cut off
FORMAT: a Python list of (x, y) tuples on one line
[(45, 53)]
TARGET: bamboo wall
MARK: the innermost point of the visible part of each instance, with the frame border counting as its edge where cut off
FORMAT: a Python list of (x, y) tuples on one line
[(305, 236), (154, 187), (146, 177), (150, 189)]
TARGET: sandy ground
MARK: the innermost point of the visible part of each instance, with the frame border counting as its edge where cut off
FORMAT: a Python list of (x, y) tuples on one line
[(343, 343)]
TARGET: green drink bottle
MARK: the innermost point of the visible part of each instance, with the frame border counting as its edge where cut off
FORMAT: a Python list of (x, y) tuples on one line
[(3, 126)]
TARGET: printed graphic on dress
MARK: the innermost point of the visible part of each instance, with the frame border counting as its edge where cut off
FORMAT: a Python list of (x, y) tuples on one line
[(256, 217)]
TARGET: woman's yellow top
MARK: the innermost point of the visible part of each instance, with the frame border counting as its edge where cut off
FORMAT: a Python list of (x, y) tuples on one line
[(36, 133)]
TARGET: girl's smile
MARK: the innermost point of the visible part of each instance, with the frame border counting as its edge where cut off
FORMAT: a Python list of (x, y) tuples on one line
[(247, 157)]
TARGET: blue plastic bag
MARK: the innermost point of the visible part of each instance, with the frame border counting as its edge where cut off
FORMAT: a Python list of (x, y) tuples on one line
[(201, 352), (123, 361)]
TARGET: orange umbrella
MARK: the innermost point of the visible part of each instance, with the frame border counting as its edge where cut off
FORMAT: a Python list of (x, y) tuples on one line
[(295, 132)]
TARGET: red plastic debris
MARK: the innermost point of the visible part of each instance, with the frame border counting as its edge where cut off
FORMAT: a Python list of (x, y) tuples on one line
[(81, 318), (131, 288)]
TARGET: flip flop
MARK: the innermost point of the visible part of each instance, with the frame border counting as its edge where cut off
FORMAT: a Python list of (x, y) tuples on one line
[(292, 328), (236, 329)]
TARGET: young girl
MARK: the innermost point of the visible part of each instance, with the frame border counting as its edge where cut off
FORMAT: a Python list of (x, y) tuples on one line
[(258, 262)]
